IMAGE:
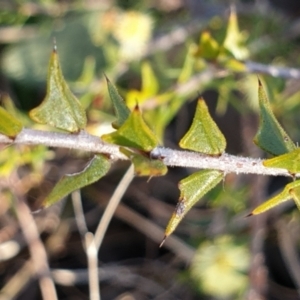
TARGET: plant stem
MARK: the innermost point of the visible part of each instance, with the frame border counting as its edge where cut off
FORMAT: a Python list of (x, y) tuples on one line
[(86, 142)]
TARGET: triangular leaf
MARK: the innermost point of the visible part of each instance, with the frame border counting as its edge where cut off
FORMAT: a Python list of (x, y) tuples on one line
[(96, 169), (204, 135), (289, 161), (271, 137), (60, 108), (121, 110), (133, 133), (148, 90), (234, 39), (144, 166), (9, 125), (208, 47), (288, 193), (149, 81), (192, 189)]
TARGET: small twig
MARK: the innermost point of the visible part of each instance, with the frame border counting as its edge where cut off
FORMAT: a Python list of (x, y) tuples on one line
[(16, 283), (92, 255), (120, 274), (88, 242), (275, 71), (79, 215), (36, 249), (85, 142), (112, 205)]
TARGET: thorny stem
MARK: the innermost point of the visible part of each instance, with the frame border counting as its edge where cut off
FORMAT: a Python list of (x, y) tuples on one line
[(86, 142)]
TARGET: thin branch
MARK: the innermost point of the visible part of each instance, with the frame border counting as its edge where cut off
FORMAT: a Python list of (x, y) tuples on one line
[(36, 249), (79, 214), (88, 242), (85, 142), (226, 163), (275, 71), (112, 205), (92, 255), (17, 282)]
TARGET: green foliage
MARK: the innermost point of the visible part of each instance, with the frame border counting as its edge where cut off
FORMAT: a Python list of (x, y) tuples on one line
[(271, 137), (291, 190), (204, 135), (144, 166), (121, 110), (289, 161), (192, 188), (134, 133), (235, 40), (60, 108), (9, 126), (150, 106), (156, 83), (96, 169)]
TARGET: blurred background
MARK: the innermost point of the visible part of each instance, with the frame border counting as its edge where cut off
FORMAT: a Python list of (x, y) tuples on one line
[(151, 50)]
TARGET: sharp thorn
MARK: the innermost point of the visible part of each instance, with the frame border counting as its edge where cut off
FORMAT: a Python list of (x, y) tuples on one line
[(163, 241)]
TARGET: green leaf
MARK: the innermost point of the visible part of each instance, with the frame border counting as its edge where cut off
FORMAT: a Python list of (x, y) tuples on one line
[(150, 85), (187, 69), (144, 166), (291, 190), (148, 90), (9, 126), (60, 108), (208, 47), (289, 161), (204, 135), (133, 133), (271, 137), (96, 169), (121, 110), (234, 40), (192, 189)]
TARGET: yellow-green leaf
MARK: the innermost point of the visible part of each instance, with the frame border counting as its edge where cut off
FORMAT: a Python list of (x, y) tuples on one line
[(234, 40), (9, 125), (204, 135), (148, 90), (271, 137), (208, 47), (96, 169), (290, 191), (145, 166), (60, 108), (289, 161), (134, 133), (192, 189), (149, 81), (121, 110)]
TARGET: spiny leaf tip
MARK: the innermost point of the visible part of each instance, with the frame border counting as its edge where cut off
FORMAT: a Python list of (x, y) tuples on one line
[(163, 241)]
